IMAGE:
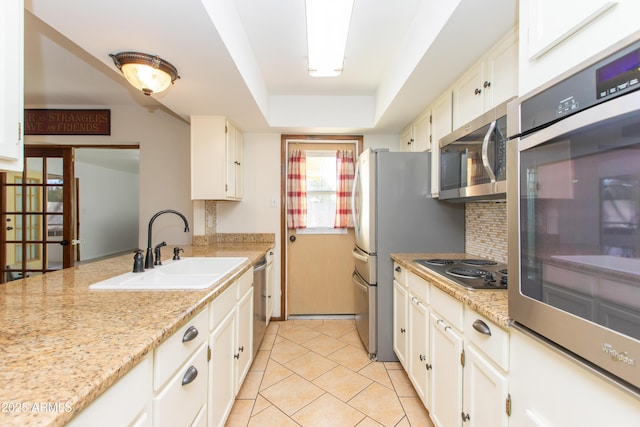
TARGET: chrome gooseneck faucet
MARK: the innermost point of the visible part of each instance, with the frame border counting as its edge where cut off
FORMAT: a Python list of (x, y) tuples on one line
[(148, 261)]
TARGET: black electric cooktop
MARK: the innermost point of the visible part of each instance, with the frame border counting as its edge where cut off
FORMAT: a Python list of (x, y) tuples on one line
[(470, 273)]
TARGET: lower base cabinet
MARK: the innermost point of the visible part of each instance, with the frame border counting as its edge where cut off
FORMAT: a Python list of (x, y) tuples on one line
[(221, 370)]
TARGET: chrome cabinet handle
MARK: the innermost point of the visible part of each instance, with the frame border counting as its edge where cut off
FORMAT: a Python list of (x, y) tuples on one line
[(481, 327), (190, 375), (190, 334)]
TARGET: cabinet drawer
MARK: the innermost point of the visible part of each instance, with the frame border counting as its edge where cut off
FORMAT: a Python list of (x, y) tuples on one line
[(222, 305), (488, 337), (448, 307), (244, 283), (178, 404), (175, 350), (419, 287), (400, 274)]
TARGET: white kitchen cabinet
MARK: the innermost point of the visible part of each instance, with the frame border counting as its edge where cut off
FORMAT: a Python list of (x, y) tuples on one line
[(400, 336), (418, 354), (269, 288), (185, 395), (485, 392), (230, 342), (416, 136), (406, 139), (490, 81), (441, 125), (216, 159), (180, 373), (11, 85), (126, 403), (221, 370), (446, 374)]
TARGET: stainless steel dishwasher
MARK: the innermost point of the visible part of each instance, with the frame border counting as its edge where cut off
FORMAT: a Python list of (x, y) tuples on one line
[(259, 303)]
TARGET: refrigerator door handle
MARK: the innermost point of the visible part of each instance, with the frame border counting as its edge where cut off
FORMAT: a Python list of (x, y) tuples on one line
[(354, 214), (358, 254)]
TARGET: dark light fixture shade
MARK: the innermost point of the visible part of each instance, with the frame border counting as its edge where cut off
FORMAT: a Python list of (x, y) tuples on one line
[(148, 73)]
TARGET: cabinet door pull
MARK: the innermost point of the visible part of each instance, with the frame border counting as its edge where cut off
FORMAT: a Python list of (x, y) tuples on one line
[(403, 330), (487, 84), (241, 349), (423, 358), (481, 327), (236, 356), (428, 366), (190, 375), (398, 269), (465, 417), (190, 334), (477, 91)]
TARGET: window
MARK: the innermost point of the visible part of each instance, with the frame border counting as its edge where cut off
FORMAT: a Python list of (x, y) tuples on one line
[(321, 193)]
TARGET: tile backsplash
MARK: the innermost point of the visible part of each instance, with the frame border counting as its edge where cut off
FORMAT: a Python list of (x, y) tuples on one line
[(486, 230)]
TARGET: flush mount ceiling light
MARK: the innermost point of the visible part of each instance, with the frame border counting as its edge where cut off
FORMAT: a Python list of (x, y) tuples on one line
[(327, 30), (148, 73)]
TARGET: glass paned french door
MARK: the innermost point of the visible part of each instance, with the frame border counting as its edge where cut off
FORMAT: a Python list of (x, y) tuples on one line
[(37, 214)]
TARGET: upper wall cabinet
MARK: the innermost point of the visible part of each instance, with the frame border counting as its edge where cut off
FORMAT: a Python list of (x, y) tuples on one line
[(416, 136), (11, 85), (490, 81), (216, 159)]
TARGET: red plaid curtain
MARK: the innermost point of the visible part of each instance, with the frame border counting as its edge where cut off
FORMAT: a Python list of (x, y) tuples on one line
[(297, 190), (345, 172)]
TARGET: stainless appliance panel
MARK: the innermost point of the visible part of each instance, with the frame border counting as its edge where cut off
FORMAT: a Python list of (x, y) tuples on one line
[(365, 303), (403, 218), (574, 217), (365, 265), (363, 197), (473, 159)]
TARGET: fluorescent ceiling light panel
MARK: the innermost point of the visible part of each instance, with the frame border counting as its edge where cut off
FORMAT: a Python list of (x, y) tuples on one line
[(327, 30)]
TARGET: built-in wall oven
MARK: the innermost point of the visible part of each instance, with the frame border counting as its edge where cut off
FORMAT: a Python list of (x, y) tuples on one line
[(574, 212)]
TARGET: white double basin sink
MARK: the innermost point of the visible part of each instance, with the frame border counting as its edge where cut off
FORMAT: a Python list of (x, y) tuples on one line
[(186, 273)]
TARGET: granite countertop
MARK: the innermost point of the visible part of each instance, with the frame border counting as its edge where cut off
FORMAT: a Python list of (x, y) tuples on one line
[(63, 344), (493, 304)]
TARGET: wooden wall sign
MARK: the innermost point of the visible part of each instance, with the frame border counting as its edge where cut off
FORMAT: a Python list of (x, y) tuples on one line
[(67, 122)]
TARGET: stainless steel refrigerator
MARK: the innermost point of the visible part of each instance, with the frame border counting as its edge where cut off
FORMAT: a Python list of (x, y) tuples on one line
[(394, 213)]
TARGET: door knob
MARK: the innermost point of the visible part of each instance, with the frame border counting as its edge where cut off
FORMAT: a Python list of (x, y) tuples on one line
[(292, 238), (9, 228)]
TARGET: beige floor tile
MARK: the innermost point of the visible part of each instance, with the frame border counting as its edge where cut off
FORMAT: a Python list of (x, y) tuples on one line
[(379, 403), (310, 365), (292, 393), (336, 328), (272, 329), (309, 323), (267, 342), (240, 413), (324, 344), (271, 417), (275, 372), (351, 357), (401, 383), (278, 339), (260, 361), (251, 385), (328, 411), (299, 334), (342, 383), (368, 422), (404, 422), (352, 338), (260, 405), (417, 414), (377, 372), (286, 350), (393, 365)]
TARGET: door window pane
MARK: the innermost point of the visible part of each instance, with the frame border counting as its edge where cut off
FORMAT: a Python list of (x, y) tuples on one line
[(321, 189)]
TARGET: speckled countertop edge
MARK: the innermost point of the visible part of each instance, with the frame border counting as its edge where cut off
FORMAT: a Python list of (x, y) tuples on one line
[(64, 344), (493, 304)]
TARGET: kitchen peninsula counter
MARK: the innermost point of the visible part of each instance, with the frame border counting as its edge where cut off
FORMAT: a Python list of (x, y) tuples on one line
[(62, 345), (493, 304)]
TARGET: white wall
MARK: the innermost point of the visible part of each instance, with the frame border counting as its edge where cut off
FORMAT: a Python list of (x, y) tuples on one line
[(109, 210), (164, 143), (255, 213)]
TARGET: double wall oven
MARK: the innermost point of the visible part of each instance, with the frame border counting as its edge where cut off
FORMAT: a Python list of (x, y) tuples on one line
[(574, 212)]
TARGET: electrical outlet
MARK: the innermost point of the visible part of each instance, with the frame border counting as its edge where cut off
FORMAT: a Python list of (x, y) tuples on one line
[(274, 202)]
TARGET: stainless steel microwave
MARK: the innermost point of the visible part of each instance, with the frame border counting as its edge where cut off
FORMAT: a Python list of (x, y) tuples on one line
[(473, 159), (573, 213)]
